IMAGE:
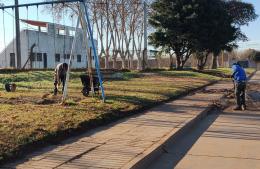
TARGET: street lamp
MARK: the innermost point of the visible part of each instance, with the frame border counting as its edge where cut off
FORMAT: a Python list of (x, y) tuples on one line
[(145, 59), (18, 41)]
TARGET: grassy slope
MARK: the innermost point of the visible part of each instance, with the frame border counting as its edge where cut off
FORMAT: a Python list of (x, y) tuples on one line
[(23, 120)]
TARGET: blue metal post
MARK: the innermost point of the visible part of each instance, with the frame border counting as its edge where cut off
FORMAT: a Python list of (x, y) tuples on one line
[(95, 52)]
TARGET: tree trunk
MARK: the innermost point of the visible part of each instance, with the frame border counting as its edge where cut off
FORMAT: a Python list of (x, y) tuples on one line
[(159, 63), (131, 66), (123, 62), (182, 64), (107, 61), (171, 62), (114, 62), (214, 62), (139, 63), (178, 63), (200, 65), (202, 62)]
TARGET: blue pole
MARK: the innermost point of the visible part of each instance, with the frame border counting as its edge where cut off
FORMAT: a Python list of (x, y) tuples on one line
[(95, 52)]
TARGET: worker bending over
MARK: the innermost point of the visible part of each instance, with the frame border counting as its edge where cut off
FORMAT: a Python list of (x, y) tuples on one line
[(60, 73)]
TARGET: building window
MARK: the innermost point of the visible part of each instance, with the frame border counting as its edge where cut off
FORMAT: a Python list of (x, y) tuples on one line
[(78, 58), (44, 29), (57, 57), (66, 56), (62, 32), (71, 32), (45, 60), (12, 59), (39, 57), (33, 57)]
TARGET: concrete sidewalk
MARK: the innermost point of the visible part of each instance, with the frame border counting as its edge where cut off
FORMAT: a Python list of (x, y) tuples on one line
[(127, 142), (229, 140), (256, 78)]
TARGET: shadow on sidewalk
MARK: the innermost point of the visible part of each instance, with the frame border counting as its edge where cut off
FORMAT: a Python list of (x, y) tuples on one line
[(180, 147), (240, 125)]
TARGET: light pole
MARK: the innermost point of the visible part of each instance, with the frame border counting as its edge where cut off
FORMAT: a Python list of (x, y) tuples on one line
[(107, 50), (17, 28), (145, 36)]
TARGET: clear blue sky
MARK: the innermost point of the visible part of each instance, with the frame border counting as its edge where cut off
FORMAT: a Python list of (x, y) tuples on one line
[(252, 30), (32, 15)]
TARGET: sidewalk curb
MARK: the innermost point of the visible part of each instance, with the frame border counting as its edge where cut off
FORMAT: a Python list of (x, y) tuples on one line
[(144, 159)]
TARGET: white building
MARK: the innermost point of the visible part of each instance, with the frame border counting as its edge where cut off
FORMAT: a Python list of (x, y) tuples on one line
[(53, 44)]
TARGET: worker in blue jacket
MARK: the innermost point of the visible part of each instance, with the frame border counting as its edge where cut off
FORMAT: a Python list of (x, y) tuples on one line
[(240, 79)]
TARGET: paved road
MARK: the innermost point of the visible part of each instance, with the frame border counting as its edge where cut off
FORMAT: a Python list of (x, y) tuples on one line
[(227, 140), (116, 145)]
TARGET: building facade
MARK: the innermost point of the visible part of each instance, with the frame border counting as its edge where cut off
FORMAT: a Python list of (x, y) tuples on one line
[(48, 46)]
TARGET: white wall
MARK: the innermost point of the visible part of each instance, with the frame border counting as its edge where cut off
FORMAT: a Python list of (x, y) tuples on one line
[(50, 43)]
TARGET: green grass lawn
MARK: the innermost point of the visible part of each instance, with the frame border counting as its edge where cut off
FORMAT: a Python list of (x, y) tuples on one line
[(25, 117)]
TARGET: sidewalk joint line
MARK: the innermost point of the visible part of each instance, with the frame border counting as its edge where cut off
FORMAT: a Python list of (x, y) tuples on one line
[(80, 155)]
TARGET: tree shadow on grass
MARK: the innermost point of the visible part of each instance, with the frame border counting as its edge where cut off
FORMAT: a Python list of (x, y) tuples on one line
[(130, 99), (178, 74)]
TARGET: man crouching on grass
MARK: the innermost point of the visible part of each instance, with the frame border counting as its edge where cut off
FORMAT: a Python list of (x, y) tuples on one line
[(239, 78), (60, 76)]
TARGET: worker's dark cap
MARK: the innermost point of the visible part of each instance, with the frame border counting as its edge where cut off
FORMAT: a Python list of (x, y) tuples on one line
[(65, 66), (237, 63)]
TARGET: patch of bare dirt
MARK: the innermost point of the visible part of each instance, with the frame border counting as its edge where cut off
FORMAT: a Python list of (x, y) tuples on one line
[(46, 99), (217, 91), (16, 100)]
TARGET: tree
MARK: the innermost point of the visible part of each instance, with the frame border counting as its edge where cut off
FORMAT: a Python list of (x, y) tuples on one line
[(174, 21), (213, 31), (241, 14), (123, 28), (119, 28), (199, 26), (202, 58), (250, 54), (170, 53)]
